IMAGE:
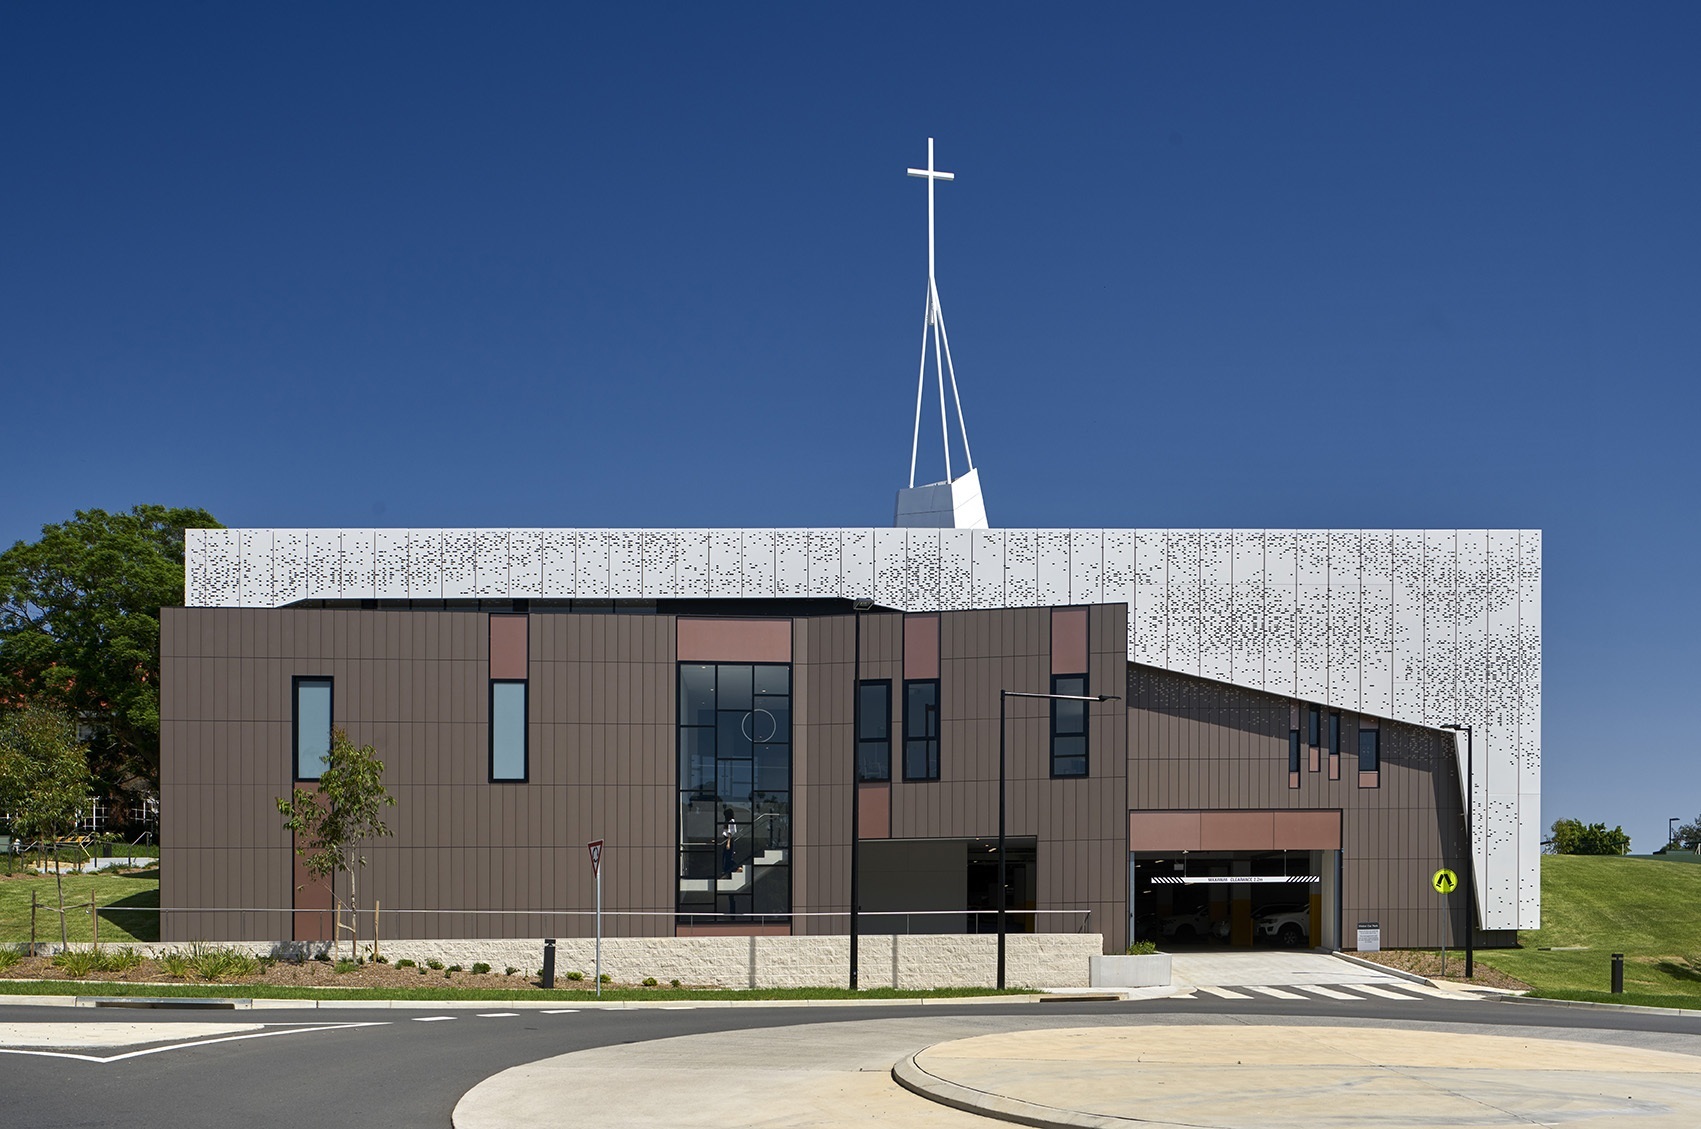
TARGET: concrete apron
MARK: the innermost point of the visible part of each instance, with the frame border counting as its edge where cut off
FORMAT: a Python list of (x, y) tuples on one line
[(1273, 969), (1206, 1072), (1272, 1077)]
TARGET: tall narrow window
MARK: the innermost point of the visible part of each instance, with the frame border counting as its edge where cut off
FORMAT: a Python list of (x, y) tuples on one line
[(1334, 734), (874, 731), (1293, 751), (507, 729), (921, 729), (1313, 722), (1068, 727), (312, 726), (1369, 750)]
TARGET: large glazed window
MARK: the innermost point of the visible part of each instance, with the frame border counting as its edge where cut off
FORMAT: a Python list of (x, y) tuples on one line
[(507, 730), (734, 792), (921, 729), (1068, 726), (312, 726), (874, 731)]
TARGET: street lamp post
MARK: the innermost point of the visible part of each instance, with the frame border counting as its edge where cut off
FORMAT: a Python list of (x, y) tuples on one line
[(1003, 697), (858, 607), (1470, 848), (1671, 831)]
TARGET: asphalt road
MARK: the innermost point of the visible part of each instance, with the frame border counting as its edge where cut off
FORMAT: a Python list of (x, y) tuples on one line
[(407, 1071)]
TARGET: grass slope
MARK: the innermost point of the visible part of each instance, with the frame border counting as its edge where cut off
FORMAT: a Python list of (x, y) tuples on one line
[(1648, 910), (128, 907)]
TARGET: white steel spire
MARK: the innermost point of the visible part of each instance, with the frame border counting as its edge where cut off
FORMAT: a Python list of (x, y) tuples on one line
[(955, 502)]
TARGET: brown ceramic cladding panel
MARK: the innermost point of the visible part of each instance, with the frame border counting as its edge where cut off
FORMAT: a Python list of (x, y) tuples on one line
[(1197, 747), (508, 646), (735, 640), (1069, 641)]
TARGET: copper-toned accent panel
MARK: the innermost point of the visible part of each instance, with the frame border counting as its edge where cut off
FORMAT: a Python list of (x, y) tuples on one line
[(874, 811), (921, 646), (310, 894), (1069, 640), (1163, 831), (1316, 758), (734, 640), (1334, 766), (1370, 780), (1237, 830), (732, 931), (1308, 831), (1293, 780), (508, 646)]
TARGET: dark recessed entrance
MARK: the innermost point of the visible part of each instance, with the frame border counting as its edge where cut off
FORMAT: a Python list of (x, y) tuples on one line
[(1239, 899), (946, 885)]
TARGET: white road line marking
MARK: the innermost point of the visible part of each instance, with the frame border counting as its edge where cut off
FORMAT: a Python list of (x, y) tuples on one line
[(103, 1060), (1223, 993), (433, 1018), (497, 1014), (560, 1010), (1276, 992), (1329, 992), (1383, 992)]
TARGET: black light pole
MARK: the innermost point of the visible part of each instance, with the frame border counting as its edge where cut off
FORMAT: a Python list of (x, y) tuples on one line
[(1470, 848), (1003, 696), (858, 607), (1671, 831)]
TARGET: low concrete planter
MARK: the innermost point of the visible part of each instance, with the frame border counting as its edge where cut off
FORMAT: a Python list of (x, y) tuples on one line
[(1148, 971)]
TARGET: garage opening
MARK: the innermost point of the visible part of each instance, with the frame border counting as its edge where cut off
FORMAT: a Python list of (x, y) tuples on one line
[(1238, 899)]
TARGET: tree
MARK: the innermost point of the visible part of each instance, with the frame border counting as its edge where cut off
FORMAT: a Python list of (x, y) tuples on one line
[(79, 627), (1689, 835), (330, 824), (44, 780), (1574, 837)]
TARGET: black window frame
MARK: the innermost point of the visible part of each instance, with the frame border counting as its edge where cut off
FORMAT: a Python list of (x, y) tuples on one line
[(295, 684), (1334, 733), (930, 742), (1067, 684), (525, 732), (1295, 759), (882, 742), (1314, 726), (1375, 736)]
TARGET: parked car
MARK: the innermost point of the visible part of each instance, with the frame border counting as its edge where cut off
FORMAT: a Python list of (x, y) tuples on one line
[(1288, 925), (1195, 926)]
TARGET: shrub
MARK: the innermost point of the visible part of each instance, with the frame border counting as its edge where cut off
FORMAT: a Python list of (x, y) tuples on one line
[(326, 957), (1141, 948), (123, 960), (344, 966), (423, 971), (380, 959), (509, 971), (78, 963), (177, 965), (649, 981), (573, 975), (674, 982), (447, 974), (480, 968), (9, 956), (405, 963), (606, 978), (455, 968), (223, 964), (434, 964)]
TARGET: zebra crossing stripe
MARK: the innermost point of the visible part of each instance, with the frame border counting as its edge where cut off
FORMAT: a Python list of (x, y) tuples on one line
[(1276, 992), (1223, 993), (1329, 992), (1383, 992)]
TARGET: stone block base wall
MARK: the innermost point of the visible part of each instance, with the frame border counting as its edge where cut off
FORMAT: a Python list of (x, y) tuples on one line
[(1033, 960)]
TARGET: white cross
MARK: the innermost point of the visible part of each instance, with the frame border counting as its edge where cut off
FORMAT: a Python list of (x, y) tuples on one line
[(930, 175)]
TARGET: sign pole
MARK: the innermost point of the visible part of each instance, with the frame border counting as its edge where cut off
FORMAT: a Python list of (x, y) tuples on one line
[(595, 849)]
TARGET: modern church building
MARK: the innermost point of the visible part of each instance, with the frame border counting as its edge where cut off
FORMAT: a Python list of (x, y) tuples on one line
[(1210, 735)]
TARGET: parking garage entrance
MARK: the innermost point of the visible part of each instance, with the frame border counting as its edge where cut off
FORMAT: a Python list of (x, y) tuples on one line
[(1236, 879)]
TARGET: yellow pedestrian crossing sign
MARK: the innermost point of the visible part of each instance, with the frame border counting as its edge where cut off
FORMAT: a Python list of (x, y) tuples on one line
[(1445, 881)]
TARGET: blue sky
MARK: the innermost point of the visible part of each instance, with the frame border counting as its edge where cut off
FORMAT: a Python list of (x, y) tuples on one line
[(1221, 265)]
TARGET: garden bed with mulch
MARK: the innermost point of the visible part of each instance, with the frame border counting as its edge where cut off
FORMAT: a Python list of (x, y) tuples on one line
[(1427, 962)]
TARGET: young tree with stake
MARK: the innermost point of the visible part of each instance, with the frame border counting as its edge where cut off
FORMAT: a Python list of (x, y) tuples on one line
[(330, 824), (44, 780)]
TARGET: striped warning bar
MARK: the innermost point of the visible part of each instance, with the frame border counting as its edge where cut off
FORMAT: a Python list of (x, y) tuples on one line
[(1237, 879)]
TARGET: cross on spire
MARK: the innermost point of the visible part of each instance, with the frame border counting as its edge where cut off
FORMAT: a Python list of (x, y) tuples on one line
[(920, 506)]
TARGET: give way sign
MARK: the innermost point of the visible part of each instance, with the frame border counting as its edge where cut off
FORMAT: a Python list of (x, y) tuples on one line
[(596, 855)]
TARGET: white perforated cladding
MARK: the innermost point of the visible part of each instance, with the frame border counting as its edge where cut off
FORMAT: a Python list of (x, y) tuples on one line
[(1430, 626)]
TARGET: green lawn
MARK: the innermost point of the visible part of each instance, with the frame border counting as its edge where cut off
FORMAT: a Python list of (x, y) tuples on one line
[(1649, 910), (128, 907)]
